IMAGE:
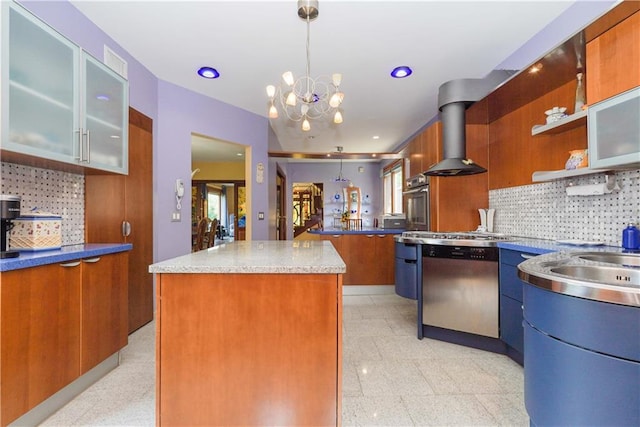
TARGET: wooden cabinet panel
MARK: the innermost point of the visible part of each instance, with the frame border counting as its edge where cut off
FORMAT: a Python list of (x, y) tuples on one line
[(40, 327), (385, 259), (248, 349), (362, 268), (613, 60), (416, 155), (112, 199), (104, 309), (369, 257), (514, 154)]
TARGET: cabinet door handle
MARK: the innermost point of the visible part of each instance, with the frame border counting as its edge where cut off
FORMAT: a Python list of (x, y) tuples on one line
[(70, 264), (527, 256), (88, 146), (126, 228), (410, 261), (382, 236), (369, 235), (337, 236), (91, 260)]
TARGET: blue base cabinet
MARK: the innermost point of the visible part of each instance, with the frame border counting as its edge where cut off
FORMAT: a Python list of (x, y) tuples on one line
[(511, 332), (408, 261), (582, 364)]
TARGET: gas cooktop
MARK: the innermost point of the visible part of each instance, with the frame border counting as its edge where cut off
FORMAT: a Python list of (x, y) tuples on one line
[(466, 238)]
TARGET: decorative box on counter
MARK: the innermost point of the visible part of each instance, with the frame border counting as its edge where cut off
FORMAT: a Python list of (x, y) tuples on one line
[(36, 232)]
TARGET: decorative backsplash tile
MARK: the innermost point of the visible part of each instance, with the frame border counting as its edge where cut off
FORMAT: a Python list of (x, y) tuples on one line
[(544, 210), (60, 193)]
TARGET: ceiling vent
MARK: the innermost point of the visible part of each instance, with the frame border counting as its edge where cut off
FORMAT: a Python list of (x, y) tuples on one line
[(115, 62)]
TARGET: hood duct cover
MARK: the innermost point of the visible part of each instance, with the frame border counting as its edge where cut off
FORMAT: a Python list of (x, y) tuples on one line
[(454, 97)]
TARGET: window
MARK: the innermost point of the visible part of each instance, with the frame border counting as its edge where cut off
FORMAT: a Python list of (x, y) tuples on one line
[(213, 203), (392, 177)]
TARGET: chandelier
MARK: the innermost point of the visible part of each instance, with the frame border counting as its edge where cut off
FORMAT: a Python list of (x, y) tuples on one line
[(307, 98)]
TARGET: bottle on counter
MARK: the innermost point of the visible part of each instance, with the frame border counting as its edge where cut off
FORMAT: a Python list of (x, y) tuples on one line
[(631, 237)]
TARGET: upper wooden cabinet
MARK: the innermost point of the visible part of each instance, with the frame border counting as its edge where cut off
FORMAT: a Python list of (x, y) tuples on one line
[(416, 153), (613, 60), (58, 102)]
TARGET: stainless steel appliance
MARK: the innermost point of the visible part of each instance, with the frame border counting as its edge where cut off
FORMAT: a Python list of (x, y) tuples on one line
[(9, 210), (392, 222), (417, 203), (459, 290)]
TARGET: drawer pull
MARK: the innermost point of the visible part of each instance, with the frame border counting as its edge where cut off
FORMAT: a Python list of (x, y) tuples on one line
[(92, 260), (527, 256), (70, 264)]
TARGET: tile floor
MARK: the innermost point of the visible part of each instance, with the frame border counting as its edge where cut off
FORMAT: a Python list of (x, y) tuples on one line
[(390, 377)]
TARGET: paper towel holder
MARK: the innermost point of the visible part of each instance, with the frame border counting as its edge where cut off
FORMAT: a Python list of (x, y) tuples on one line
[(609, 185)]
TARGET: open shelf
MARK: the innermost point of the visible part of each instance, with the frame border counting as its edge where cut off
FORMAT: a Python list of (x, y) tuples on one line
[(541, 176), (567, 123)]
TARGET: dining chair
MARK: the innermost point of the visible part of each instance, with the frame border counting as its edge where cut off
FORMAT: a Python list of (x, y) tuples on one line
[(201, 230), (211, 235)]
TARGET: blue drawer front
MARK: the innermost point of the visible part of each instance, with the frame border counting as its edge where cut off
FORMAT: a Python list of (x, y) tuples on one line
[(511, 331), (510, 284), (407, 251), (570, 386), (607, 328), (510, 257), (407, 278)]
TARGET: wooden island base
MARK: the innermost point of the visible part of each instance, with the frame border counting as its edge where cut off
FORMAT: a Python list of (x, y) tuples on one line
[(249, 349)]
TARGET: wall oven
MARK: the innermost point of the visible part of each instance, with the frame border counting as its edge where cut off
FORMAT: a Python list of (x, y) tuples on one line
[(417, 203)]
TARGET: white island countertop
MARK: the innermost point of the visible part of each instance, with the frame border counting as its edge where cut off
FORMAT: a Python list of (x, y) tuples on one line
[(270, 257)]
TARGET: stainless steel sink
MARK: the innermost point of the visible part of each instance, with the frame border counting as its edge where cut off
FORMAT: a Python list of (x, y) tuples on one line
[(601, 274), (631, 260)]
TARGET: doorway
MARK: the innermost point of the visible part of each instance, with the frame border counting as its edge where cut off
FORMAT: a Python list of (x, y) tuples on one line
[(219, 186), (221, 200), (307, 206), (281, 206)]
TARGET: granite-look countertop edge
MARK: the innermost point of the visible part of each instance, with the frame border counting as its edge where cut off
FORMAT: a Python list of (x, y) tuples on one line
[(367, 231), (540, 246), (64, 254), (258, 257)]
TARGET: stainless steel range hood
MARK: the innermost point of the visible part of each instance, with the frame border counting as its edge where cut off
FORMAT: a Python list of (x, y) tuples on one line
[(454, 97)]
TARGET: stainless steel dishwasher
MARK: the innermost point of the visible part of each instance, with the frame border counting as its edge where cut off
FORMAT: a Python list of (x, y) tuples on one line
[(460, 288)]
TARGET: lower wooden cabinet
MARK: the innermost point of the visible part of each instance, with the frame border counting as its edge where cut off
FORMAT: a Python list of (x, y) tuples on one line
[(40, 342), (369, 258), (104, 308), (57, 321)]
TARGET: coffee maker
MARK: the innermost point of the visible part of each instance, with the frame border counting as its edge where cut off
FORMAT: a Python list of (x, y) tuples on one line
[(9, 210)]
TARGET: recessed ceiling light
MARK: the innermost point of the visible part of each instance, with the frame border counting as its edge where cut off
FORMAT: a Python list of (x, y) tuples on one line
[(239, 154), (376, 137), (401, 72), (208, 73)]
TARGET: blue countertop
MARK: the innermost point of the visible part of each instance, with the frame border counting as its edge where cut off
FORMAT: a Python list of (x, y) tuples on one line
[(365, 230), (540, 246), (64, 254)]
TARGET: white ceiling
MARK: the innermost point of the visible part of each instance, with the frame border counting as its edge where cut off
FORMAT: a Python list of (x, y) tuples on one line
[(251, 43)]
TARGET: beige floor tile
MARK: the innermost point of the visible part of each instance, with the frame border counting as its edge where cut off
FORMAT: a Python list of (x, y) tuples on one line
[(390, 378)]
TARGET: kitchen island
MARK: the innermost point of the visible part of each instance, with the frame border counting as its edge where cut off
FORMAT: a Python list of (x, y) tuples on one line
[(250, 333)]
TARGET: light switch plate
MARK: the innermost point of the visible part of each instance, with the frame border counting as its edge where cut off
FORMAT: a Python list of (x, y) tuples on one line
[(175, 216), (260, 216)]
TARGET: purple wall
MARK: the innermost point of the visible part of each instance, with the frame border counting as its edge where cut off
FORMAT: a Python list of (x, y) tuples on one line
[(176, 113), (180, 113)]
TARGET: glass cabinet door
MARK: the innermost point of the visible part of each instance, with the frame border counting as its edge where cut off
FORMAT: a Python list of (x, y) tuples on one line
[(105, 119), (39, 87)]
